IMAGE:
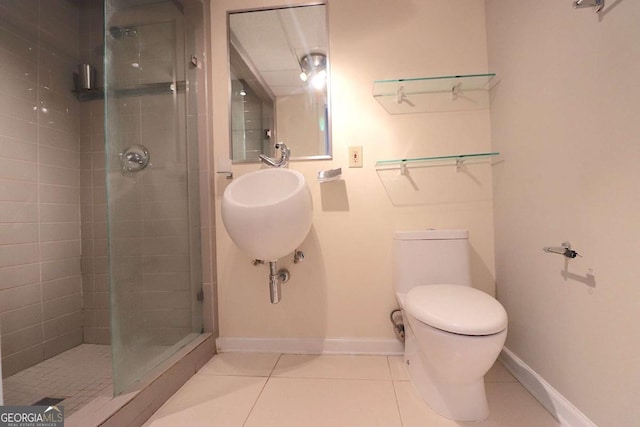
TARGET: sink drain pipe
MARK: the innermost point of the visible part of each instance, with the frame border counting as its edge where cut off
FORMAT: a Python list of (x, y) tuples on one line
[(275, 278), (398, 326)]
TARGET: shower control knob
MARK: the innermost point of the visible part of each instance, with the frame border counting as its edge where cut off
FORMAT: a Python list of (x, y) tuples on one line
[(134, 158)]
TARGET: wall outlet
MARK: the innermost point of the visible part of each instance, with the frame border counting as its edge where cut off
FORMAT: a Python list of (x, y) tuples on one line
[(355, 157)]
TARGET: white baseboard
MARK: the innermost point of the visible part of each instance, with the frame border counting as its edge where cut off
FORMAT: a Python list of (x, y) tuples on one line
[(549, 397), (311, 345)]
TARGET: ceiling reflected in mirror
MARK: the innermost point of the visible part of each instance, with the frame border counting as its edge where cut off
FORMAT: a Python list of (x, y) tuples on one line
[(278, 62)]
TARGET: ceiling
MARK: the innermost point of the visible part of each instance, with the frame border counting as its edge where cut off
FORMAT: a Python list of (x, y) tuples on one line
[(272, 41)]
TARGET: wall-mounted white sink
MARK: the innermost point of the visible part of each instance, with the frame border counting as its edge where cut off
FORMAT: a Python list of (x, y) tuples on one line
[(268, 212)]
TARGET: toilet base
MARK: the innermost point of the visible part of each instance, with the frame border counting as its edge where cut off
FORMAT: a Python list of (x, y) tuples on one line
[(459, 401)]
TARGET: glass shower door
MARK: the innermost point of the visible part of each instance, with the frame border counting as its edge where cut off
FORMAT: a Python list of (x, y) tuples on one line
[(152, 188)]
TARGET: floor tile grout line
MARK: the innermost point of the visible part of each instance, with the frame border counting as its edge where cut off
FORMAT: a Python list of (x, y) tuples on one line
[(395, 392), (389, 371), (329, 378), (261, 391), (275, 364)]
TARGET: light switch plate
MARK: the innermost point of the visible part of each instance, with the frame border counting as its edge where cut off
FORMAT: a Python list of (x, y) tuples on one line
[(355, 156)]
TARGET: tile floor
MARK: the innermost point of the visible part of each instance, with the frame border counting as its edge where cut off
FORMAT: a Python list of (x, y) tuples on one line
[(79, 375), (286, 390)]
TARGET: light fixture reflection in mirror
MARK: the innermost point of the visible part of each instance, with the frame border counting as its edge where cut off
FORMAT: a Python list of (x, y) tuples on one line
[(278, 62), (314, 70)]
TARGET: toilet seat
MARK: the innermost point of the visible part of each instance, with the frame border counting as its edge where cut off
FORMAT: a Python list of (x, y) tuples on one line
[(458, 309)]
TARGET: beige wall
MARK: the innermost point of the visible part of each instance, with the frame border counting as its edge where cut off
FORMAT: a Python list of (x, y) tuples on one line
[(565, 115), (343, 288)]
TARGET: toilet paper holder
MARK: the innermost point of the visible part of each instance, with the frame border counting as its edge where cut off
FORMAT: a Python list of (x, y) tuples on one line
[(564, 249)]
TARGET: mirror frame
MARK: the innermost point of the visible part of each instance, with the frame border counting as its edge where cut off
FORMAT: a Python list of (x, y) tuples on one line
[(271, 153)]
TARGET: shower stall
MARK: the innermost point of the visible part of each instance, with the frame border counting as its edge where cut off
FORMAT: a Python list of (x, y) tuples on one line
[(152, 185), (118, 221)]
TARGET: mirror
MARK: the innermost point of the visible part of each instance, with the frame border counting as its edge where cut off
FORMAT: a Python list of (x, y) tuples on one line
[(278, 62)]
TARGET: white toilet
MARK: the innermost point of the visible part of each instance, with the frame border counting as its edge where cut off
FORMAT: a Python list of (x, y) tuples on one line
[(453, 332)]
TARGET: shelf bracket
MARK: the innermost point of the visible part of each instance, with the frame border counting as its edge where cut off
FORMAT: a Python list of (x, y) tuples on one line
[(455, 90), (400, 95)]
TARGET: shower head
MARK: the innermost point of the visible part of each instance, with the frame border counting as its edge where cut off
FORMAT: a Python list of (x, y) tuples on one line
[(118, 32)]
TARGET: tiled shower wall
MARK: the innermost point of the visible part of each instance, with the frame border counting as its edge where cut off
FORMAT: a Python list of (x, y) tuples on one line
[(93, 195), (40, 245), (53, 248)]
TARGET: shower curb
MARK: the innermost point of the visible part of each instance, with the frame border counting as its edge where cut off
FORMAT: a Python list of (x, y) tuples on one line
[(134, 408)]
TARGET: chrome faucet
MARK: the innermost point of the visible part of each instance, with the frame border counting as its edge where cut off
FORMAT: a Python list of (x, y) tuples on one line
[(285, 152)]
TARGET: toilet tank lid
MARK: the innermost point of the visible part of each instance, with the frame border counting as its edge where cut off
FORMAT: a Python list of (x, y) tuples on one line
[(432, 234), (458, 309)]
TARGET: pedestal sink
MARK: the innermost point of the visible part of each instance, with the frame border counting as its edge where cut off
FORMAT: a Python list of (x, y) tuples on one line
[(268, 212)]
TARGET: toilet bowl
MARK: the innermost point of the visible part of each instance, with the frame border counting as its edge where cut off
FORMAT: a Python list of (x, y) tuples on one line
[(447, 359), (453, 332)]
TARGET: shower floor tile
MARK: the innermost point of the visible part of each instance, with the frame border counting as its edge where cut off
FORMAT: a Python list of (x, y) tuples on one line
[(77, 376)]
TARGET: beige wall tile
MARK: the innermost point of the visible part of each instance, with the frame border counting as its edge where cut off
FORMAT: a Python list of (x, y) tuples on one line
[(18, 254), (18, 297), (62, 343), (60, 307), (18, 108), (50, 212), (16, 233), (20, 318), (17, 66), (18, 46), (21, 340), (59, 176), (62, 325), (61, 287), (18, 170), (18, 212), (53, 156), (59, 194), (16, 191), (19, 275), (58, 138), (60, 250), (59, 269), (54, 231), (21, 360), (12, 148)]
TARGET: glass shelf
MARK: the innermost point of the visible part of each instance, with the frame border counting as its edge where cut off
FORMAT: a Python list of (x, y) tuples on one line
[(432, 84), (433, 94), (456, 159)]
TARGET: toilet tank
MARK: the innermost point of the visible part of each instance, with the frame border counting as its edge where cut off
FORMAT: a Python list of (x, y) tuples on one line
[(427, 257)]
